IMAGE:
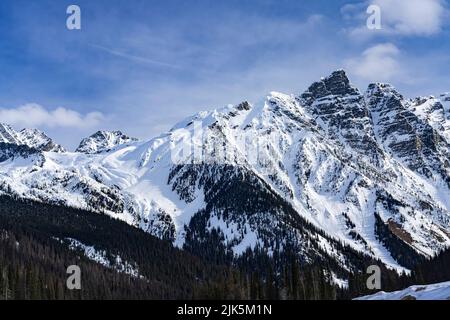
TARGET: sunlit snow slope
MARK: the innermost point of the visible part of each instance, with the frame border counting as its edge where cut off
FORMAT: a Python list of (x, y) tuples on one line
[(369, 170), (438, 291)]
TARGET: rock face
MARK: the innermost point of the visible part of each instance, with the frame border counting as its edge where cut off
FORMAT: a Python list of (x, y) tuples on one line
[(325, 174), (407, 136), (32, 138), (103, 141), (341, 110), (337, 84)]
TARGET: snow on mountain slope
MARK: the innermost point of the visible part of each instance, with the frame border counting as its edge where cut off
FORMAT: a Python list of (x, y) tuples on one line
[(438, 291), (39, 140), (30, 137), (312, 171), (8, 134), (102, 257), (435, 111), (103, 141)]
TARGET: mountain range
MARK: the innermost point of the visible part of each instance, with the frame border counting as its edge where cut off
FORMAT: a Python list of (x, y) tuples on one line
[(329, 173)]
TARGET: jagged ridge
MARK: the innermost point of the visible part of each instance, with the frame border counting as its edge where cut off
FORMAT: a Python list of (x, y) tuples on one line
[(366, 170)]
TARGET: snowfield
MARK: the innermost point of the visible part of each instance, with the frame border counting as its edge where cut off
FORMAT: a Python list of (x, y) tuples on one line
[(438, 291)]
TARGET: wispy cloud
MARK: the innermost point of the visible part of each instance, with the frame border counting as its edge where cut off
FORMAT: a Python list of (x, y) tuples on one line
[(134, 58), (377, 63), (146, 68), (34, 115)]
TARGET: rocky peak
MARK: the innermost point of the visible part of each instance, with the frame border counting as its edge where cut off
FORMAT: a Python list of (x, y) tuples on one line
[(39, 140), (340, 109), (243, 106), (434, 111), (312, 151), (427, 108), (103, 141), (404, 129), (377, 92), (32, 138), (336, 84)]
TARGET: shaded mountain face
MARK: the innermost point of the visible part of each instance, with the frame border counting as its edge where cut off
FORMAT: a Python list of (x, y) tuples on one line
[(325, 173), (103, 141), (408, 136), (32, 138)]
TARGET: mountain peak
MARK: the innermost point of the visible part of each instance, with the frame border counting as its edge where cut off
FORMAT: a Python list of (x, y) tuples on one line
[(379, 89), (103, 141), (445, 96), (361, 171), (33, 138), (39, 140), (338, 74), (335, 84)]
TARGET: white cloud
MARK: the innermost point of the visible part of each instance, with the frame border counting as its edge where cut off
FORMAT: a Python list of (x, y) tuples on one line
[(34, 115), (399, 17), (378, 63)]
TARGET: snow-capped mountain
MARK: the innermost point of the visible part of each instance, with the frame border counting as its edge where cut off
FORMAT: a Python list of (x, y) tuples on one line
[(32, 138), (317, 172), (103, 141)]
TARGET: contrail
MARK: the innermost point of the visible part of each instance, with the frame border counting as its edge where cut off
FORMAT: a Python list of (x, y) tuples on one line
[(135, 58)]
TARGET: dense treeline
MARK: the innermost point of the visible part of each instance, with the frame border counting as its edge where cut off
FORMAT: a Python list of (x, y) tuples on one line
[(433, 270), (33, 263), (428, 271), (400, 251), (241, 202), (296, 283), (237, 198), (33, 268)]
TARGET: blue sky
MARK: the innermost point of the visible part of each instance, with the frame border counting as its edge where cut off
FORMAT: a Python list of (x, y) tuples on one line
[(141, 65)]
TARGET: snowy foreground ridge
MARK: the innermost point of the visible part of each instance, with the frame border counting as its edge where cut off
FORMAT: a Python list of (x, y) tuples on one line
[(331, 166), (438, 291)]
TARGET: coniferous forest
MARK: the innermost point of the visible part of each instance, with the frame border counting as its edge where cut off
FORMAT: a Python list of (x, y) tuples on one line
[(34, 259)]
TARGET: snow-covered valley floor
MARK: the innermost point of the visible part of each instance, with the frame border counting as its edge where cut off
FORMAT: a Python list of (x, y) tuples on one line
[(438, 291)]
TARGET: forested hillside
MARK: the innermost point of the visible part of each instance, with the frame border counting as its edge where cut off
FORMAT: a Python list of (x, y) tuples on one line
[(33, 262), (34, 257), (36, 249)]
